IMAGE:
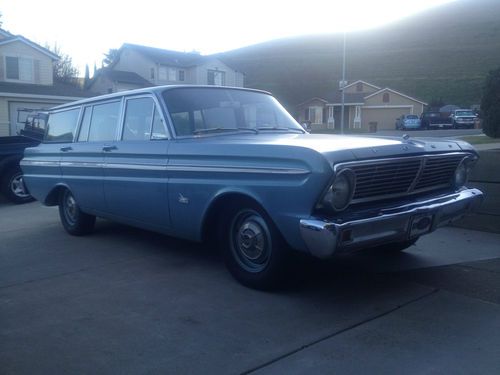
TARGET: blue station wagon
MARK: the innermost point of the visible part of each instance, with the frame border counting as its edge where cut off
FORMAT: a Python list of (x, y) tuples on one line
[(232, 166)]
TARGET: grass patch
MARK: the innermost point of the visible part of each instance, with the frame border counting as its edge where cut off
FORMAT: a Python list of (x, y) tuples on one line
[(479, 139)]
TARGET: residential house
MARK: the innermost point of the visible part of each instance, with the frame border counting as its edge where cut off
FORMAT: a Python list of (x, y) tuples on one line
[(154, 66), (366, 107), (26, 81)]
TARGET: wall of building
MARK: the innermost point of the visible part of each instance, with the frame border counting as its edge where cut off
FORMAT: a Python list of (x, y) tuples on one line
[(233, 78), (42, 64), (365, 89), (132, 61)]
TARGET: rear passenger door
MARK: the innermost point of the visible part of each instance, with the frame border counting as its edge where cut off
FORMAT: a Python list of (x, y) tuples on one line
[(82, 162), (135, 175)]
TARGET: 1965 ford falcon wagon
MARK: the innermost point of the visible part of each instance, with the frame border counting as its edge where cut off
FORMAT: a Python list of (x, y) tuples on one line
[(232, 165)]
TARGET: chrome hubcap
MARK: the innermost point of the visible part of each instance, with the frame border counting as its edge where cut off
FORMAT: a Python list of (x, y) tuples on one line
[(250, 241), (18, 188)]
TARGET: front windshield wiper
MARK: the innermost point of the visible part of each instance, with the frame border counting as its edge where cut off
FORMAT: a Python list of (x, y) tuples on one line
[(280, 128), (221, 129)]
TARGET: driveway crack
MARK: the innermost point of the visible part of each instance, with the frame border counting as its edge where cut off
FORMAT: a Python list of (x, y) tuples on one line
[(336, 333)]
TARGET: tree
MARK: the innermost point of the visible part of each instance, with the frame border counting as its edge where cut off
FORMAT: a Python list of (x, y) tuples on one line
[(1, 22), (64, 70), (490, 104), (110, 57)]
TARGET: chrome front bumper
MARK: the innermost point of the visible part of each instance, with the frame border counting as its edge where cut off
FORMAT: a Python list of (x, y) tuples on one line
[(395, 224)]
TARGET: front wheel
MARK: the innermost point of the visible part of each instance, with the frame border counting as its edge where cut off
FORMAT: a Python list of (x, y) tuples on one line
[(254, 251), (73, 219), (13, 186)]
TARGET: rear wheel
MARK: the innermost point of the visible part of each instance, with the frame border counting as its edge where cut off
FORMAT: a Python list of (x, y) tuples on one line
[(13, 186), (73, 219), (254, 251)]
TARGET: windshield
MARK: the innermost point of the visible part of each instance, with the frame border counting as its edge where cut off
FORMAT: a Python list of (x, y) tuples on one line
[(196, 111), (412, 117), (464, 113)]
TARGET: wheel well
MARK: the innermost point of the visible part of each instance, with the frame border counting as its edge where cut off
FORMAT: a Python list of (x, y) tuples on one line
[(53, 197), (209, 228)]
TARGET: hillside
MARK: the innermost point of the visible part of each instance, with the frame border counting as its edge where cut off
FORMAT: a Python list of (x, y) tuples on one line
[(442, 53)]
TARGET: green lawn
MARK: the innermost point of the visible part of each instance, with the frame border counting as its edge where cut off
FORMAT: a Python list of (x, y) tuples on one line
[(479, 139)]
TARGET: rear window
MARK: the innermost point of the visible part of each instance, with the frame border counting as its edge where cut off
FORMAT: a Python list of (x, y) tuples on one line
[(61, 126)]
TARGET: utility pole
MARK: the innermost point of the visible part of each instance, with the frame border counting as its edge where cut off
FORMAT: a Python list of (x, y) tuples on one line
[(343, 84)]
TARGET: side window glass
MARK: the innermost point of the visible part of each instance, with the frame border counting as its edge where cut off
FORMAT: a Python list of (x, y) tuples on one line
[(138, 119), (84, 129), (104, 122), (61, 126), (182, 123), (159, 131)]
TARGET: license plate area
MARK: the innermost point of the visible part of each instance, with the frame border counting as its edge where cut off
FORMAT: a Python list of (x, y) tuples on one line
[(420, 224)]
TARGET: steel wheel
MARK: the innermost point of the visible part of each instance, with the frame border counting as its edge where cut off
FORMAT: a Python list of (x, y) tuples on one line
[(254, 251), (250, 241), (17, 186), (73, 219), (13, 187)]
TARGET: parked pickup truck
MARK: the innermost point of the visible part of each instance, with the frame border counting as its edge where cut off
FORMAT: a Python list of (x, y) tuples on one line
[(12, 151), (435, 120), (463, 118)]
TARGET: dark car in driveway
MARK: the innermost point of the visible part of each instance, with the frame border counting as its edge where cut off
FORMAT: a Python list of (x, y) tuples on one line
[(11, 152), (435, 120), (231, 166)]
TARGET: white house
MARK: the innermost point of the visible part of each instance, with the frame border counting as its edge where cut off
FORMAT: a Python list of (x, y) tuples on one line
[(26, 81), (142, 66)]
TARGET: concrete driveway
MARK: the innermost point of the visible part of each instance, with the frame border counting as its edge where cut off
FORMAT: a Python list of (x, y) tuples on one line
[(126, 301)]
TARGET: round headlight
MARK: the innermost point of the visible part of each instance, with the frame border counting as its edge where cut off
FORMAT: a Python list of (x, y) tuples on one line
[(460, 176), (339, 195)]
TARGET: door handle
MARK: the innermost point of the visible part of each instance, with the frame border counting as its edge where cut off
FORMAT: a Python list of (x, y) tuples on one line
[(109, 148), (66, 148)]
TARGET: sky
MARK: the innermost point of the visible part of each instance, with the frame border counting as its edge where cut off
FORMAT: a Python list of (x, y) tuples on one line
[(85, 30)]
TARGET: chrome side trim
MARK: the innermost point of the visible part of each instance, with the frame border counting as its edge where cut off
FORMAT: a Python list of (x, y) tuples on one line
[(40, 163), (83, 164), (237, 169), (175, 168)]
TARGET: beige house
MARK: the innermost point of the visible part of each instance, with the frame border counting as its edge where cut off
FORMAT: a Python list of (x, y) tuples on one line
[(366, 107), (26, 81), (142, 66)]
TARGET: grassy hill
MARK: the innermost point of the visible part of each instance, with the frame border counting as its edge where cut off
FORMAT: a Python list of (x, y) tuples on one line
[(442, 53)]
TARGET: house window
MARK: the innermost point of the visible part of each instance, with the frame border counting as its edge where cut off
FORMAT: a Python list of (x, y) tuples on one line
[(216, 78), (181, 75), (19, 68), (152, 73), (359, 87), (385, 97)]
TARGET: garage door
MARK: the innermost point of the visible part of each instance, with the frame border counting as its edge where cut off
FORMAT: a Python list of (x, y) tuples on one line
[(16, 119), (384, 118)]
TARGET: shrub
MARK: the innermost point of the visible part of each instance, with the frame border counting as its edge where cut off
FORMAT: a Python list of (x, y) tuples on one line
[(490, 104)]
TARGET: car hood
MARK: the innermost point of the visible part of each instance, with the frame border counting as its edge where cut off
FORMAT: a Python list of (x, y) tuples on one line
[(363, 147)]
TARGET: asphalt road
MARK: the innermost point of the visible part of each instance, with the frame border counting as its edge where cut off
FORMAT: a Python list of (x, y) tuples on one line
[(127, 301)]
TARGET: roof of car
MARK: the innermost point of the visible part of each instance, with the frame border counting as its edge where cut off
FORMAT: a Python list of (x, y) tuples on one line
[(149, 90)]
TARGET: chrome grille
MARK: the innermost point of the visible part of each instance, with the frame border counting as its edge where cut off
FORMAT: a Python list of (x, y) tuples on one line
[(438, 171), (381, 179)]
